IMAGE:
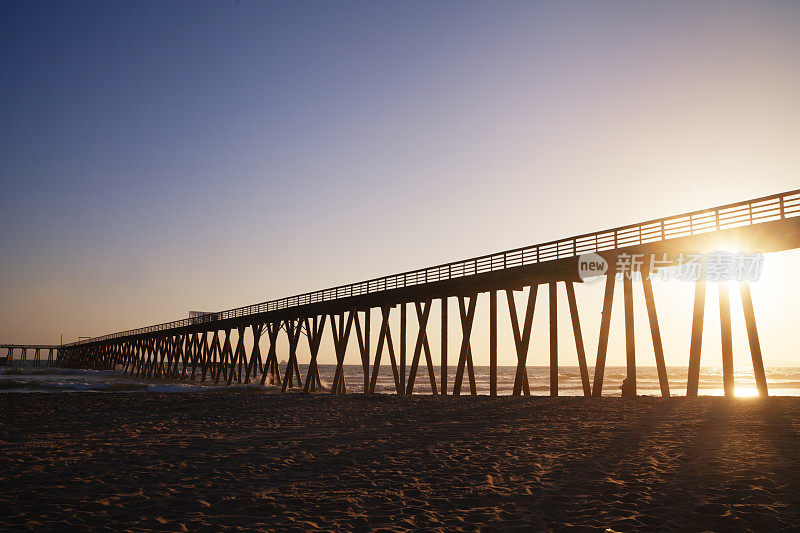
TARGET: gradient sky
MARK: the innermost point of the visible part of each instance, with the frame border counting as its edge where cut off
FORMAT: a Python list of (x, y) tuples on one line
[(161, 157)]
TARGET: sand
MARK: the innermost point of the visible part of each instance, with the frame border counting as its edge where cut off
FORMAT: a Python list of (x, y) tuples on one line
[(248, 460)]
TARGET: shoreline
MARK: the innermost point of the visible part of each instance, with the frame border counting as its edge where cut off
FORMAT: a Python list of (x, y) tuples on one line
[(782, 381)]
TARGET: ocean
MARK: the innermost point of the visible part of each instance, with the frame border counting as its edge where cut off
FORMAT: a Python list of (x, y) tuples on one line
[(782, 381)]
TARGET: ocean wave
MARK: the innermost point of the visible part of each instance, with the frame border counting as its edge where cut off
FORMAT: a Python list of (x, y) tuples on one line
[(51, 386), (54, 380)]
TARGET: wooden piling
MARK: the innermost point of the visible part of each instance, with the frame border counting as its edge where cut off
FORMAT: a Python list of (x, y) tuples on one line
[(522, 338), (602, 343), (443, 355), (363, 346), (423, 312), (467, 313), (752, 337), (693, 379), (630, 340), (553, 303), (576, 330), (655, 333), (726, 338), (384, 337), (493, 343), (403, 320)]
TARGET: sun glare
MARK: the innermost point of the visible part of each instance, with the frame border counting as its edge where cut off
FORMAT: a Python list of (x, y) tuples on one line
[(745, 392)]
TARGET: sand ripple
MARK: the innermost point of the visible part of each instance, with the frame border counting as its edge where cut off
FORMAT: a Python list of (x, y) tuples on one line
[(246, 460)]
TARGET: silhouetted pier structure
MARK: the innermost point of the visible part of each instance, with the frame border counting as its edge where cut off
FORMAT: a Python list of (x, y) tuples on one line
[(201, 347), (7, 354)]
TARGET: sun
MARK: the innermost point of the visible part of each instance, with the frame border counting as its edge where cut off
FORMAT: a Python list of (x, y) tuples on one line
[(745, 392)]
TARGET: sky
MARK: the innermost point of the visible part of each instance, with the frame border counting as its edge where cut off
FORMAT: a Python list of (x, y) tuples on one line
[(162, 157)]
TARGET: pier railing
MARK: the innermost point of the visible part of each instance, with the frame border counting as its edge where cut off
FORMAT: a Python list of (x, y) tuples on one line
[(747, 213)]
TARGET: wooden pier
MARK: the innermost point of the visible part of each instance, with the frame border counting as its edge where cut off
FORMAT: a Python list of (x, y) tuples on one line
[(7, 352), (213, 347)]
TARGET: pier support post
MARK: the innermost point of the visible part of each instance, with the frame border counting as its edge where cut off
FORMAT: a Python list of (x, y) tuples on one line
[(522, 339), (150, 361), (403, 320), (385, 336), (271, 367), (187, 353), (241, 358), (602, 343), (340, 339), (127, 354), (255, 354), (576, 330), (237, 356), (553, 303), (225, 356), (167, 356), (172, 354), (314, 330), (205, 356), (655, 333), (197, 353), (150, 357), (189, 350), (727, 339), (158, 357), (693, 379), (175, 355), (443, 377), (630, 339), (752, 337), (493, 343), (467, 312), (147, 352), (423, 312), (134, 358), (213, 356), (363, 346), (292, 372), (174, 346)]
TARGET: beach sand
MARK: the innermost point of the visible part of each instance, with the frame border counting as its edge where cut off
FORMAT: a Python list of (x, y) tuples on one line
[(249, 460)]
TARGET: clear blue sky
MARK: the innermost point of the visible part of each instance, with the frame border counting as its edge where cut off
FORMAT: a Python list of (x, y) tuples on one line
[(157, 157)]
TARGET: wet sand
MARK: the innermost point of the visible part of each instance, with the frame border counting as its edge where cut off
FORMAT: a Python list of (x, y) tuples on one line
[(248, 460)]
